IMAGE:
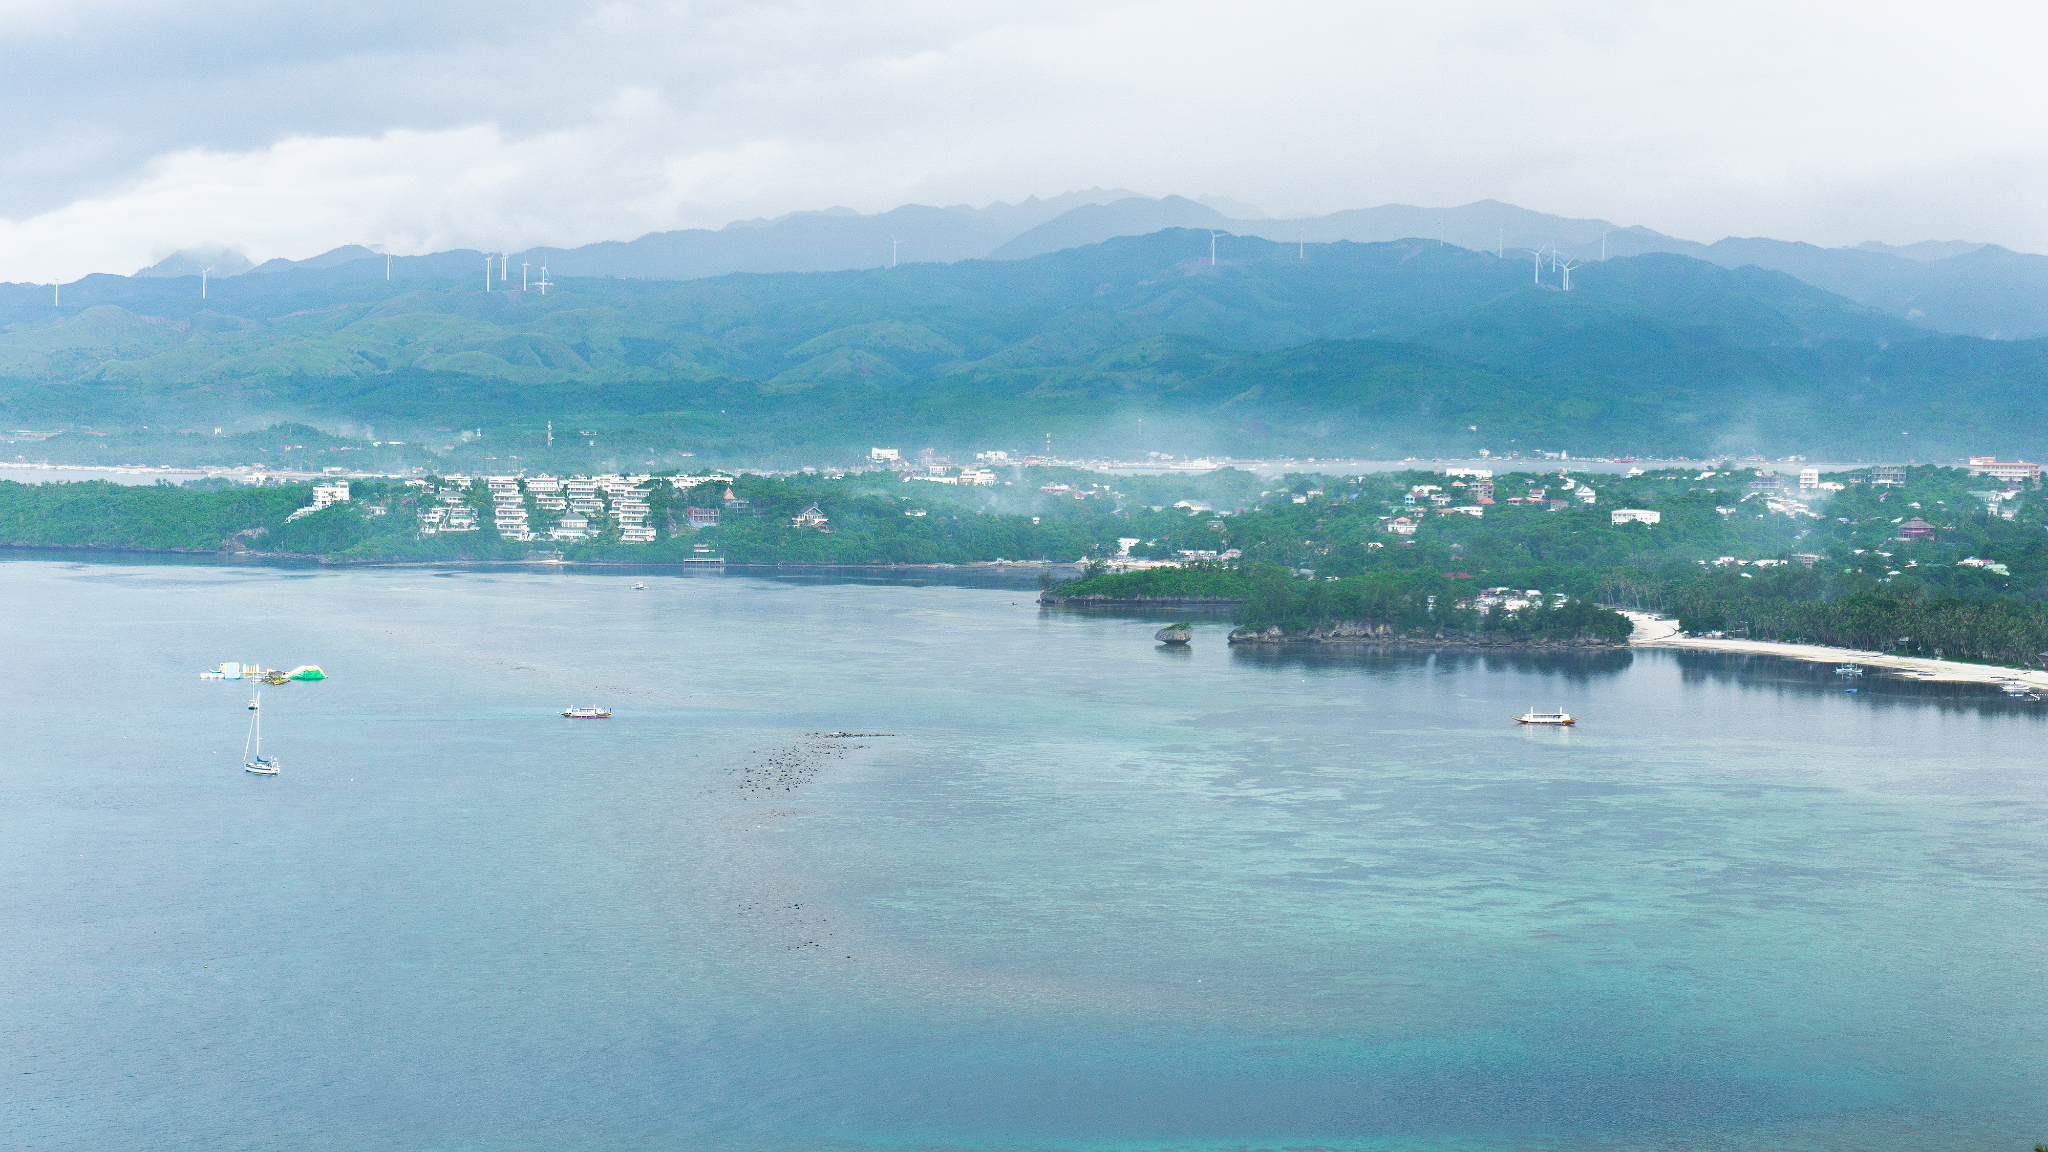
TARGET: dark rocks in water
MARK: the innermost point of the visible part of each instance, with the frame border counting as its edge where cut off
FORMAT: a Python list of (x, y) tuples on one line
[(1355, 632), (1175, 634)]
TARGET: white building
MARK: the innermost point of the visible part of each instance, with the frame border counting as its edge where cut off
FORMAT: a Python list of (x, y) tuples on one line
[(2012, 472), (884, 455), (980, 477), (1634, 516), (1809, 478)]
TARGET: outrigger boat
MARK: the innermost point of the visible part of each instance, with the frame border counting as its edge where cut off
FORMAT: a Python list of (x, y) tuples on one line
[(595, 712), (1849, 670), (1532, 716), (253, 759)]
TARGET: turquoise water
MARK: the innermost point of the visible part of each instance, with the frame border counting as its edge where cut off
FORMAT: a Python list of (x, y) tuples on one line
[(1087, 893)]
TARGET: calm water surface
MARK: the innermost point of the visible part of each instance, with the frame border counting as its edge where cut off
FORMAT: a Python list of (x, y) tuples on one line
[(1086, 893)]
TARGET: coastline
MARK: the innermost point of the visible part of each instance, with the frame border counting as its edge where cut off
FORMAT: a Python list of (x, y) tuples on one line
[(1138, 602), (1653, 631)]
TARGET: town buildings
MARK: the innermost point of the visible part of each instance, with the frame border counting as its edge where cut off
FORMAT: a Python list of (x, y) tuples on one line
[(1634, 516)]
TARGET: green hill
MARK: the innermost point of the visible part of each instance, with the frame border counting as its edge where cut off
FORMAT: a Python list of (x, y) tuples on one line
[(1136, 344)]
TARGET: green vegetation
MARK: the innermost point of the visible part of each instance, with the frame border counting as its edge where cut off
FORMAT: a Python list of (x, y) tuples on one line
[(1381, 350), (1720, 558), (1301, 552)]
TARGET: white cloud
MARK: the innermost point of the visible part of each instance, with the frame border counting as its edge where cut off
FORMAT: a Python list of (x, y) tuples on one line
[(566, 124)]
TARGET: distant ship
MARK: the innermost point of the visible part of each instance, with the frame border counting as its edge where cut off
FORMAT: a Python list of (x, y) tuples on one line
[(594, 712), (253, 759), (1532, 716)]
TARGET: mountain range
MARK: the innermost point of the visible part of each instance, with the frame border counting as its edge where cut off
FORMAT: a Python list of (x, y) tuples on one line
[(1945, 286), (1127, 345)]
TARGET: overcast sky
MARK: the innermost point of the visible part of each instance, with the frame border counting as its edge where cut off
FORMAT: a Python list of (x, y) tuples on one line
[(138, 127)]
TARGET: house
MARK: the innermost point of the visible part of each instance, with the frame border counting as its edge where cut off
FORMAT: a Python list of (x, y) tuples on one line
[(1634, 516), (811, 517), (738, 506), (1916, 529), (2012, 472), (702, 517), (1401, 526)]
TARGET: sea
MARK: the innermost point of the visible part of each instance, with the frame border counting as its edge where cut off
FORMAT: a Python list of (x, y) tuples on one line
[(873, 862)]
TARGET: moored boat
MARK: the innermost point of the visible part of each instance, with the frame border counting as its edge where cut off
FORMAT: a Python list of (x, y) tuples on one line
[(1532, 716), (595, 712), (253, 759)]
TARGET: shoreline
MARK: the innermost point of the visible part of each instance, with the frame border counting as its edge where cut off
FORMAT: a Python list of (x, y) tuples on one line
[(1653, 631)]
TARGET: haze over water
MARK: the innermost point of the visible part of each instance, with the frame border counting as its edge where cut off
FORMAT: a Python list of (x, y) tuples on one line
[(1087, 893)]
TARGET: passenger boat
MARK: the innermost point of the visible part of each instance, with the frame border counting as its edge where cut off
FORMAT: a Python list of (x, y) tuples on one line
[(595, 712), (253, 759), (1532, 716)]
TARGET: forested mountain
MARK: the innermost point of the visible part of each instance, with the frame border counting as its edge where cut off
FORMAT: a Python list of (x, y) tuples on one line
[(1954, 287), (1136, 344)]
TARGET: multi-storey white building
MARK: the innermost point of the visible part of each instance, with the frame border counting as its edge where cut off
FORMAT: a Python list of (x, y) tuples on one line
[(2012, 471)]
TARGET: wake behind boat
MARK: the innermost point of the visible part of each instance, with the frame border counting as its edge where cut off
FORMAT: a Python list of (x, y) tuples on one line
[(1532, 716), (253, 759), (594, 712)]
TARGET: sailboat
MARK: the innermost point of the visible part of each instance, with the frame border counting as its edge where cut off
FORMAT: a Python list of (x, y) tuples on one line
[(253, 759)]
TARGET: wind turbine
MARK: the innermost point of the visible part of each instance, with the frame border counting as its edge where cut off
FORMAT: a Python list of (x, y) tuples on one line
[(1212, 246), (523, 266), (1537, 276), (56, 295), (893, 242), (542, 284), (503, 260), (202, 282), (487, 271), (1603, 244), (1567, 269), (387, 266)]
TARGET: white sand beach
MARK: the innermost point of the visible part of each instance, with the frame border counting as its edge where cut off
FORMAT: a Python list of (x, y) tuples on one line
[(1654, 631)]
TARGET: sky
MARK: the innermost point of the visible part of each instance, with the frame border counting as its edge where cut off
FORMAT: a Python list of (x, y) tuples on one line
[(137, 128)]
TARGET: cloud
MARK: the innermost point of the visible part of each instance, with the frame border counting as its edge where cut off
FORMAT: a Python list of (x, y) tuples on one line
[(138, 129)]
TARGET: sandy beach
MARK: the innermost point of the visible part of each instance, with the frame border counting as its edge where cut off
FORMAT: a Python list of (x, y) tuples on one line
[(1654, 631)]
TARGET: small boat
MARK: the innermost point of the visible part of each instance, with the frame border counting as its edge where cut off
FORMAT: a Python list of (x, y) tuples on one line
[(253, 759), (1849, 670), (639, 587), (1532, 716), (595, 712)]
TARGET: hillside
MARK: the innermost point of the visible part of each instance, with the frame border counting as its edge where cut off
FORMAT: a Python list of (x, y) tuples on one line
[(1136, 344), (1952, 287)]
